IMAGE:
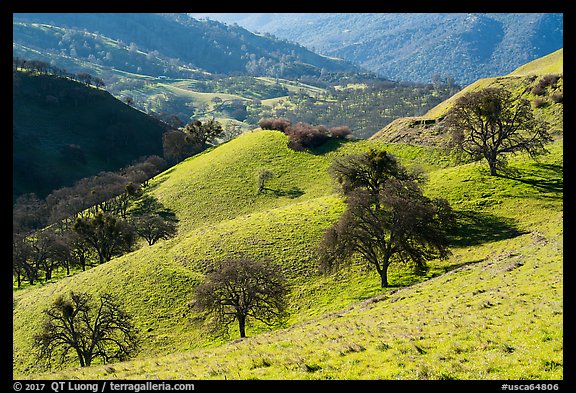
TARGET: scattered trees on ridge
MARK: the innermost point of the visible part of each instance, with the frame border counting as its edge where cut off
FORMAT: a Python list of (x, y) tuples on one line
[(45, 68), (87, 223)]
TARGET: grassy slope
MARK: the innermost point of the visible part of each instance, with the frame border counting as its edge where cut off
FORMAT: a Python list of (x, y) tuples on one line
[(403, 129), (550, 64), (489, 319)]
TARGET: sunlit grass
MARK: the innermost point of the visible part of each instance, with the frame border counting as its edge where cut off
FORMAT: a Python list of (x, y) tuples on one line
[(493, 310)]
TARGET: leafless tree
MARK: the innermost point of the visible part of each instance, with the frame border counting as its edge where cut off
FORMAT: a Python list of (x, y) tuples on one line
[(76, 328), (490, 124), (243, 288)]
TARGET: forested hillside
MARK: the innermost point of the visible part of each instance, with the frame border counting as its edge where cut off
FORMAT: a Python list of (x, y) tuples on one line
[(175, 42), (417, 47)]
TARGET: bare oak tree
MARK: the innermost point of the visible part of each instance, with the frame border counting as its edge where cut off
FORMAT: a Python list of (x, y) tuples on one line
[(243, 288), (75, 325), (491, 123)]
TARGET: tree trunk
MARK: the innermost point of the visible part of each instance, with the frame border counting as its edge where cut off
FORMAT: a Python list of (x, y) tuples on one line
[(492, 165), (384, 277), (242, 325), (80, 357)]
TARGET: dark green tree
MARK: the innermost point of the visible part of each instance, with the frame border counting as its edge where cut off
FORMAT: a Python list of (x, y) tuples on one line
[(202, 133), (387, 218), (153, 227), (109, 235)]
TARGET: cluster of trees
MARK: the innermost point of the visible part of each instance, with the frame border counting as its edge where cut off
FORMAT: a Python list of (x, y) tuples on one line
[(44, 68), (302, 135), (87, 223), (366, 107), (191, 139)]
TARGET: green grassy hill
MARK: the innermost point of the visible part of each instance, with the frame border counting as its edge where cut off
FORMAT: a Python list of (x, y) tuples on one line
[(496, 313), (64, 131), (493, 310)]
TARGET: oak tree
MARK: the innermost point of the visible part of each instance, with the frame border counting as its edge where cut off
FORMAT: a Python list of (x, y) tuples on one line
[(243, 288), (76, 328), (387, 218), (491, 123)]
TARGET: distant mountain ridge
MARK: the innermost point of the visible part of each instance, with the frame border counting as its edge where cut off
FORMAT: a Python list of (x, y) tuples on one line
[(417, 46), (207, 46)]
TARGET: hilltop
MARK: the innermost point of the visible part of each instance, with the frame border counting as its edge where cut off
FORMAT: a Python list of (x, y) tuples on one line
[(64, 130), (493, 310)]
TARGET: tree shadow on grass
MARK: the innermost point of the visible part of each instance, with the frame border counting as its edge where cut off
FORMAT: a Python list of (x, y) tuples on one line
[(291, 193), (474, 228), (330, 145), (544, 177)]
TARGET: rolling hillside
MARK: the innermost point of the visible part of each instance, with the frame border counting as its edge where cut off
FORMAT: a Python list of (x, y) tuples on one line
[(64, 130), (509, 250), (493, 310), (427, 129)]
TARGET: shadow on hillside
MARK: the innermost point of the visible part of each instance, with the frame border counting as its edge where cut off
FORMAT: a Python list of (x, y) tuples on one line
[(545, 177), (473, 228), (456, 266), (330, 145), (292, 193)]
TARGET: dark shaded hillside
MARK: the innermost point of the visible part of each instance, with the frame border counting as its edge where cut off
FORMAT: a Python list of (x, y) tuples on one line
[(64, 131)]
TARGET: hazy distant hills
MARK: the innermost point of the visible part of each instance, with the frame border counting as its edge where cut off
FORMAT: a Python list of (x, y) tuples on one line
[(178, 41), (417, 46)]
